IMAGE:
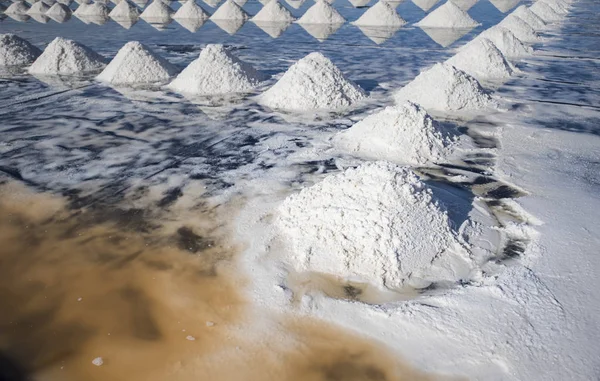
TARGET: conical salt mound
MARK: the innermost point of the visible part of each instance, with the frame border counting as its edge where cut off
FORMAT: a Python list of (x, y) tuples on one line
[(544, 11), (216, 71), (97, 10), (448, 15), (17, 8), (312, 83), (382, 15), (444, 88), (482, 60), (530, 18), (425, 5), (64, 56), (137, 64), (191, 11), (506, 42), (124, 11), (465, 5), (504, 5), (519, 28), (80, 10), (15, 51), (230, 11), (321, 13), (558, 6), (403, 134), (59, 12), (39, 8), (157, 12), (273, 12)]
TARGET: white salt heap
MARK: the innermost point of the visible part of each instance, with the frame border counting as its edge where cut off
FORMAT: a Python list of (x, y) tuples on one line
[(519, 28), (381, 14), (97, 10), (157, 12), (321, 13), (137, 64), (445, 88), (216, 71), (17, 8), (530, 18), (64, 56), (482, 60), (273, 12), (15, 51), (230, 11), (313, 82), (545, 12), (448, 15), (191, 11), (38, 8), (403, 134), (377, 223), (124, 11), (59, 12), (80, 11), (506, 42), (559, 6)]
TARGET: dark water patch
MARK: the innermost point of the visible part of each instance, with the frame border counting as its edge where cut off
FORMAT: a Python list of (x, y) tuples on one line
[(169, 197), (192, 242)]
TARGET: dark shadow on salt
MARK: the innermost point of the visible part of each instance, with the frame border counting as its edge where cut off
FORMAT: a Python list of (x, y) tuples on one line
[(457, 200)]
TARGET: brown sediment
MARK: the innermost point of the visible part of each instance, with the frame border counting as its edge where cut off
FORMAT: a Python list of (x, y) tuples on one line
[(72, 290)]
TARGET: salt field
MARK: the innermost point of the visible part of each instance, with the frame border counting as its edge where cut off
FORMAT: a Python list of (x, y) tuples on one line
[(299, 190)]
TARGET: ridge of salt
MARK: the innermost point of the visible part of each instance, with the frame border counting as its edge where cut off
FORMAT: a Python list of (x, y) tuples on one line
[(38, 8), (530, 18), (519, 28), (321, 13), (273, 12), (506, 42), (157, 12), (135, 63), (544, 11), (312, 83), (482, 60), (124, 11), (191, 10), (448, 15), (229, 10), (381, 15), (216, 71), (64, 56), (17, 8), (15, 51)]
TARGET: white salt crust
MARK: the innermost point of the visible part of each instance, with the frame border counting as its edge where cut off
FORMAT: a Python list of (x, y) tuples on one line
[(157, 12), (17, 8)]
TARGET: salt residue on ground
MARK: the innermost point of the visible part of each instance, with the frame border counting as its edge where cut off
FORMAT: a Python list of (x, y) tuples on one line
[(273, 12), (124, 11), (519, 28), (230, 11), (506, 42), (216, 71), (445, 88), (377, 223), (15, 51), (381, 14), (191, 11), (448, 15), (135, 63), (403, 134), (530, 18), (64, 56), (545, 12), (321, 13), (482, 60), (39, 8), (157, 12), (17, 8), (312, 83)]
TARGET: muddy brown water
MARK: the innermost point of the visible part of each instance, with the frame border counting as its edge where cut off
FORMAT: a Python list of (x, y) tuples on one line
[(154, 309)]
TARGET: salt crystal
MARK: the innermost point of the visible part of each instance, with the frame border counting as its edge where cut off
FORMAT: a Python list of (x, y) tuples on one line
[(482, 60), (15, 51), (321, 13), (273, 11), (380, 14), (64, 56), (210, 324), (230, 11), (465, 5), (448, 15), (190, 338), (98, 361), (559, 6)]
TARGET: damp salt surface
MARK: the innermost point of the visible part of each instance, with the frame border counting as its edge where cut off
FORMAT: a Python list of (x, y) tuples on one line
[(229, 10)]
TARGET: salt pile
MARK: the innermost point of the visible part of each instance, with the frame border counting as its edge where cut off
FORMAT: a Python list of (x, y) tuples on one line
[(425, 5), (39, 8), (230, 11), (465, 5), (321, 13), (519, 28), (124, 11), (380, 14), (506, 42), (59, 12), (377, 223), (216, 71), (482, 60), (97, 10), (504, 5), (558, 6), (17, 8), (15, 51), (191, 11), (64, 56), (313, 82), (544, 11), (448, 15), (444, 88), (530, 18), (273, 11), (80, 11), (137, 64), (157, 12), (403, 134)]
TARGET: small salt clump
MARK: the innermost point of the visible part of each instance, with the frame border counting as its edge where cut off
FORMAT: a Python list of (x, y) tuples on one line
[(157, 12), (448, 15), (15, 51), (38, 8), (98, 361), (64, 56), (377, 223), (506, 42), (519, 28), (230, 11), (59, 12), (445, 88), (312, 83), (545, 12), (124, 11), (382, 15), (191, 11), (530, 18), (17, 8), (482, 60), (403, 134), (134, 64), (321, 13), (273, 12), (216, 71)]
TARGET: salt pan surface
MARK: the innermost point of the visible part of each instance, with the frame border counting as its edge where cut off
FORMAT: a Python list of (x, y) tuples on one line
[(380, 14), (482, 60), (64, 56), (38, 8), (377, 223), (191, 10), (15, 51), (137, 64), (506, 42), (444, 88), (530, 18), (403, 134), (519, 28), (17, 8), (273, 11), (321, 13), (230, 11), (216, 71), (448, 15), (124, 11), (545, 12), (313, 82), (157, 12)]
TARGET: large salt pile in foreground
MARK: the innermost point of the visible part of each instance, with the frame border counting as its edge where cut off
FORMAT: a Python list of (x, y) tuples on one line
[(124, 11), (17, 8), (216, 71), (157, 12), (39, 8), (377, 223), (137, 64), (381, 15), (519, 28), (64, 56), (530, 18), (545, 12), (506, 42), (191, 11), (273, 12), (312, 83), (321, 13), (448, 15), (403, 134), (482, 60), (15, 51), (445, 88), (230, 11)]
